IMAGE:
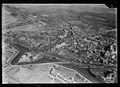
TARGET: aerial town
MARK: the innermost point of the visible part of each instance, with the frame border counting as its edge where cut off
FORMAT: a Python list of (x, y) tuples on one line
[(59, 43)]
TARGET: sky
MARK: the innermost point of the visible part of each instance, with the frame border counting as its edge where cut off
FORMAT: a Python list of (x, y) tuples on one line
[(30, 5)]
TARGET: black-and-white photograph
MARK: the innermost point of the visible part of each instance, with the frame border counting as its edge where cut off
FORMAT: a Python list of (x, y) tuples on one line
[(59, 44)]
